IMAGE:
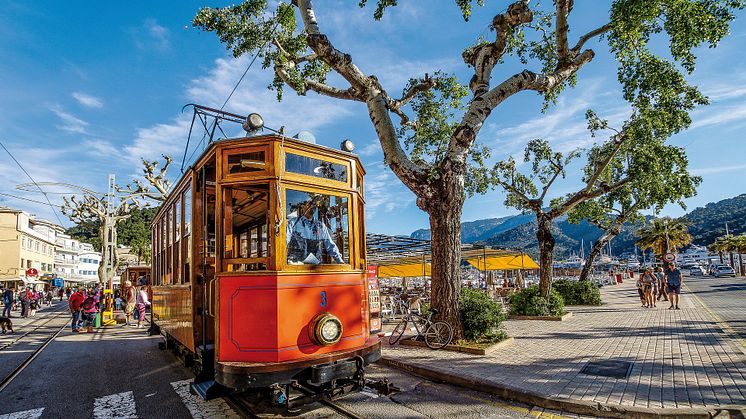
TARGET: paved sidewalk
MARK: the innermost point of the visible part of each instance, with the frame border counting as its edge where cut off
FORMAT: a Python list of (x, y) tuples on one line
[(681, 358)]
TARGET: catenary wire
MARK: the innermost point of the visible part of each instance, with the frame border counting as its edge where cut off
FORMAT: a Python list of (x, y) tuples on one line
[(32, 179), (26, 199)]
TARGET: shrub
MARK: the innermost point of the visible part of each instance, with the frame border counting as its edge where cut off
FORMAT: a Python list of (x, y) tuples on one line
[(481, 316), (584, 293), (529, 302)]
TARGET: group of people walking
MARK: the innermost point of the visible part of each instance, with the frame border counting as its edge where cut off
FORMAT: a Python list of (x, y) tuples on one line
[(84, 306), (656, 283), (28, 299)]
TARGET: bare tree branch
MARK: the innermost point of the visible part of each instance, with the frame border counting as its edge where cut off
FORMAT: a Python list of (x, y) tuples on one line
[(592, 34)]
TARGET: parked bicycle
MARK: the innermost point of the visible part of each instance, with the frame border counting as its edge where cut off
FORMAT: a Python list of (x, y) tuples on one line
[(437, 334)]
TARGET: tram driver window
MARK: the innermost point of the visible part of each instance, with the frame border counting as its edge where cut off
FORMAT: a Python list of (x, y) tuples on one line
[(316, 229)]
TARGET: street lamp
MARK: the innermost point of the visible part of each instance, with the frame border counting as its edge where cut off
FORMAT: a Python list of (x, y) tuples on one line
[(668, 248)]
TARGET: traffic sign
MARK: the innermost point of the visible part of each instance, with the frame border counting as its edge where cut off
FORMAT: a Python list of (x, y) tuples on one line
[(669, 257)]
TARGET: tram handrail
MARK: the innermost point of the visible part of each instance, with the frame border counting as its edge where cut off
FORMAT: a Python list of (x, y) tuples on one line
[(210, 300)]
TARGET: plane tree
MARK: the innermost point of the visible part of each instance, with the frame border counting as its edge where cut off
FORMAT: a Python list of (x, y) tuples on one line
[(428, 128), (663, 179)]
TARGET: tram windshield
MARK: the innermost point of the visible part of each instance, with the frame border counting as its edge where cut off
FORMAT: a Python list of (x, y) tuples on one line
[(246, 210), (316, 228)]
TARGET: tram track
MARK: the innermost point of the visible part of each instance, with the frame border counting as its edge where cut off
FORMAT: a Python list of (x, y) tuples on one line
[(30, 358), (49, 317), (244, 407)]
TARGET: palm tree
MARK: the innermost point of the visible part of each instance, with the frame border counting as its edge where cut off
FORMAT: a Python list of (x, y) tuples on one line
[(716, 247), (664, 234)]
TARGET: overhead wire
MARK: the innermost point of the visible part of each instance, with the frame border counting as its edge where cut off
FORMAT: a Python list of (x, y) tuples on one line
[(26, 199), (34, 181)]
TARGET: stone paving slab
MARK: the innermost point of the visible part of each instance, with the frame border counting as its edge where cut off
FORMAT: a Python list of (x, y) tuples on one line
[(681, 358)]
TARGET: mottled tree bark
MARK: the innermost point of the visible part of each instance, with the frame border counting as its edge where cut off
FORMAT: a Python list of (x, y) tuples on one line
[(595, 251)]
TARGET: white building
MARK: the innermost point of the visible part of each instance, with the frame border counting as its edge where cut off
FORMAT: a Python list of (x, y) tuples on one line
[(76, 262)]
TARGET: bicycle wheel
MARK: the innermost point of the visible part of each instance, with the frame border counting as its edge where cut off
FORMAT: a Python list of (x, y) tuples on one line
[(398, 332), (438, 335)]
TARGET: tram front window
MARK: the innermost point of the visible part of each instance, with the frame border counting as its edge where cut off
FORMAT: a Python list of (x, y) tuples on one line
[(316, 229), (246, 210)]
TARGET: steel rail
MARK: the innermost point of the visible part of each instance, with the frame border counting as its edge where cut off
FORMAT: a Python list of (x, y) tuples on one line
[(49, 316), (244, 407), (7, 380)]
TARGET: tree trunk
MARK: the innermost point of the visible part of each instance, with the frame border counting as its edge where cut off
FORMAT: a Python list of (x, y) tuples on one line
[(740, 263), (721, 257), (596, 250), (445, 228), (731, 259), (546, 252)]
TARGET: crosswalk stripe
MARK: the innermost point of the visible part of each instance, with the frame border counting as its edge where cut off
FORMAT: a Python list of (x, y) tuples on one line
[(115, 406), (200, 409), (26, 414)]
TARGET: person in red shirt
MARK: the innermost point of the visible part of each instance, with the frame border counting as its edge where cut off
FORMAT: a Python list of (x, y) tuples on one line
[(76, 299)]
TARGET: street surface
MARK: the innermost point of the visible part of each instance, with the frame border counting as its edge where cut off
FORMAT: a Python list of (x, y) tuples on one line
[(725, 297), (119, 372)]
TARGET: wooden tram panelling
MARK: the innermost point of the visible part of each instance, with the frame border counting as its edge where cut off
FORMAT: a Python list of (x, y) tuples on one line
[(221, 272)]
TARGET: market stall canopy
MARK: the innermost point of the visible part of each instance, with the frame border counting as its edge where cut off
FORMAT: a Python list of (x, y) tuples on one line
[(503, 262), (404, 270)]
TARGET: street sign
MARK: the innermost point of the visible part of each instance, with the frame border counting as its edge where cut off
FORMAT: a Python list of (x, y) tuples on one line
[(32, 272), (669, 257)]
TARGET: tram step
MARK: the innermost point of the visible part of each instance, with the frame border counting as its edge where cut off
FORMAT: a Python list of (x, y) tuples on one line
[(208, 390)]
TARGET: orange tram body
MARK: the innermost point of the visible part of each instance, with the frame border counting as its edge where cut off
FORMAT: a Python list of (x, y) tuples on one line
[(258, 270)]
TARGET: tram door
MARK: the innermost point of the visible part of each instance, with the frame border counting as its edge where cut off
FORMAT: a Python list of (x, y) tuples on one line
[(204, 267)]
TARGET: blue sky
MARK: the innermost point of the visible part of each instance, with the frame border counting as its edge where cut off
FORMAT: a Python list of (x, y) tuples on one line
[(88, 90)]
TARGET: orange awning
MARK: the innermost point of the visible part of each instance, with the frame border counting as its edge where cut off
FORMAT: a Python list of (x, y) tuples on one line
[(503, 262), (404, 270)]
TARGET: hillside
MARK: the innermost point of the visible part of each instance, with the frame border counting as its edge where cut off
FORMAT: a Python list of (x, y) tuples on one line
[(519, 231)]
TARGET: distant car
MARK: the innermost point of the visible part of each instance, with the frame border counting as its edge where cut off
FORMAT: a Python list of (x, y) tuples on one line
[(697, 271), (722, 271)]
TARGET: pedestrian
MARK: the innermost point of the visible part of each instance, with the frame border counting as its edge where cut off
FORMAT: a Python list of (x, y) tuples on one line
[(49, 297), (640, 291), (130, 299), (33, 305), (24, 296), (674, 278), (74, 303), (8, 298), (661, 277), (648, 279), (142, 304), (118, 303), (89, 309)]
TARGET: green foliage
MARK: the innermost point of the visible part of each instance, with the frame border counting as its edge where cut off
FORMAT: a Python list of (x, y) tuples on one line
[(464, 5), (529, 302), (481, 316), (583, 293), (135, 229), (664, 231)]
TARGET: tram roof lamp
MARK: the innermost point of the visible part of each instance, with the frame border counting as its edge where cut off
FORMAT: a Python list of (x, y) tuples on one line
[(347, 146), (254, 122)]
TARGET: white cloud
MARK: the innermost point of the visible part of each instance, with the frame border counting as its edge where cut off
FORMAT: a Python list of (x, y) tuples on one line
[(151, 35), (294, 113), (384, 192), (88, 100), (370, 149), (717, 169), (101, 148), (719, 115), (70, 123)]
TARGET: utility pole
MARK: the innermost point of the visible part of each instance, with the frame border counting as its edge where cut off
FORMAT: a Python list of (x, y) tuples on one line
[(668, 247)]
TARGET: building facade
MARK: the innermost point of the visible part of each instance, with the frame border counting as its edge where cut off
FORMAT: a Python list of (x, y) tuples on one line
[(25, 243), (76, 262)]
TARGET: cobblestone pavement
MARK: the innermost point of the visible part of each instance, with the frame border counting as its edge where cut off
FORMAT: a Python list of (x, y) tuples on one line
[(725, 297), (681, 358)]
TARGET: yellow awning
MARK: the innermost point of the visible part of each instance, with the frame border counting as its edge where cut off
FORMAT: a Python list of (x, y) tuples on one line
[(404, 270), (504, 262)]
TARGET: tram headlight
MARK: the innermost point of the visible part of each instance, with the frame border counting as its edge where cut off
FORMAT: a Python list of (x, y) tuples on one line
[(254, 122), (326, 329), (347, 146)]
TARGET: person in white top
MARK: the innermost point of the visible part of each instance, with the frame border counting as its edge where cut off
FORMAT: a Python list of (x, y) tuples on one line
[(142, 303)]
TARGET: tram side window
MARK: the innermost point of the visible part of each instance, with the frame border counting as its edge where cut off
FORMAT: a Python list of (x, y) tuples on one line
[(187, 259), (246, 208), (316, 228)]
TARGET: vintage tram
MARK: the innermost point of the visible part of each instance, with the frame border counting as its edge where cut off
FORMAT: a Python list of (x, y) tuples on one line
[(258, 269)]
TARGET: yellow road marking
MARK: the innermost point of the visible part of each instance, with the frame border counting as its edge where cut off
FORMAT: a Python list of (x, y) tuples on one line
[(740, 343)]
